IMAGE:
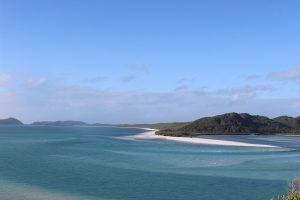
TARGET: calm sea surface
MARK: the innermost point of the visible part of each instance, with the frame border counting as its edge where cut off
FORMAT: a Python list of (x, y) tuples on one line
[(64, 163)]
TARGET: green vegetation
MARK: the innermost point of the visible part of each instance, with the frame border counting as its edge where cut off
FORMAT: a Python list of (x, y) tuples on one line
[(293, 192), (289, 121), (234, 123)]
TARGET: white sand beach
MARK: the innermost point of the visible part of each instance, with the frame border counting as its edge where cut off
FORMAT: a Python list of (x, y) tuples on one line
[(150, 134)]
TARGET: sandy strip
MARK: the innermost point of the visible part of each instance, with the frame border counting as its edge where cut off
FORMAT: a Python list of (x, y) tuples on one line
[(150, 134)]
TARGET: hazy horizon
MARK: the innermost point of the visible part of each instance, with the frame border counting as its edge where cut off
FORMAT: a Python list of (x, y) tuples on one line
[(95, 122), (148, 61)]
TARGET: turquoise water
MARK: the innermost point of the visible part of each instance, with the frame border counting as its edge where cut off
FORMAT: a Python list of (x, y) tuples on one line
[(90, 163)]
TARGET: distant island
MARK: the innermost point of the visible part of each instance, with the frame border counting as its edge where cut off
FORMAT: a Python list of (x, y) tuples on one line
[(10, 121), (235, 124), (66, 123), (14, 121), (60, 123)]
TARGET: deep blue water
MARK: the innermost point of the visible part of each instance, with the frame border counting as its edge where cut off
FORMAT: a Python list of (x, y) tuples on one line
[(90, 163)]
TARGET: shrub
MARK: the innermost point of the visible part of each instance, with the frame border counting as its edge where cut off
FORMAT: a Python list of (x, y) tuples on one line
[(293, 192)]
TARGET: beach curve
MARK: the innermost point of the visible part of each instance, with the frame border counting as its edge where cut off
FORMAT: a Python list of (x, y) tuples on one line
[(150, 134)]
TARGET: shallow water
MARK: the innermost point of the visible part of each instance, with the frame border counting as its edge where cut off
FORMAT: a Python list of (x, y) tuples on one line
[(90, 163)]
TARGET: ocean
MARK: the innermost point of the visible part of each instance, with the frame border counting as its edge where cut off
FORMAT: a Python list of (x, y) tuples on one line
[(95, 163)]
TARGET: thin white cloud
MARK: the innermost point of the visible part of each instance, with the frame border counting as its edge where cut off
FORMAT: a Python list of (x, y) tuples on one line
[(289, 74), (4, 78), (138, 66), (89, 104), (246, 89), (245, 93), (36, 82), (253, 77), (181, 87), (95, 79), (182, 81), (127, 78), (63, 75), (137, 107)]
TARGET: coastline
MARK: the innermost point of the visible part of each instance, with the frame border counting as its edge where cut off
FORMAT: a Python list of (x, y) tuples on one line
[(150, 134)]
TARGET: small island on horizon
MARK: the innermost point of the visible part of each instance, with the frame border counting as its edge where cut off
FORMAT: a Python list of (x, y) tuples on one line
[(10, 121)]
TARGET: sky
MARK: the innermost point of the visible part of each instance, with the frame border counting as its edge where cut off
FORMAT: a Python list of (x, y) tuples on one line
[(138, 61)]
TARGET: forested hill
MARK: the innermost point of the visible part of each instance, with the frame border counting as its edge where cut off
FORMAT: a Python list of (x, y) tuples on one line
[(236, 123)]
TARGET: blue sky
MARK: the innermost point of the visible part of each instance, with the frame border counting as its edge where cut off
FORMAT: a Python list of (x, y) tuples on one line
[(116, 61)]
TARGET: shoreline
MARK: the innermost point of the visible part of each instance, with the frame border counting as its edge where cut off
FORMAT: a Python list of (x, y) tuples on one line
[(150, 134)]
